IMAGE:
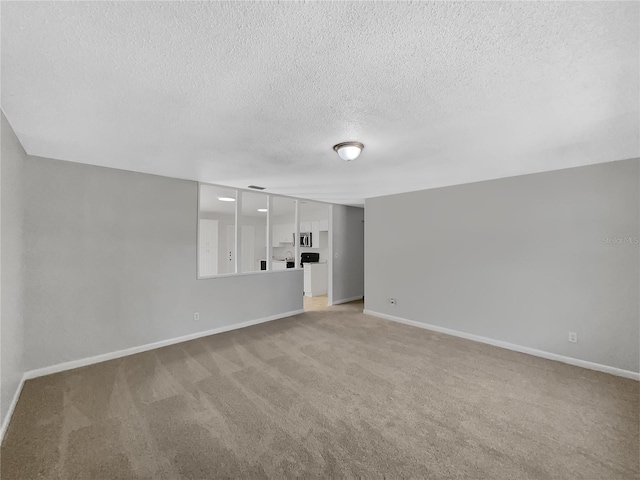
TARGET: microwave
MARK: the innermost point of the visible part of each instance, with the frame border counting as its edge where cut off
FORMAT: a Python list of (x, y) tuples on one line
[(305, 239)]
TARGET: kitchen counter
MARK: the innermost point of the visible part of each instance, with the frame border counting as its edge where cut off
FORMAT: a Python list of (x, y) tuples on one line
[(281, 264)]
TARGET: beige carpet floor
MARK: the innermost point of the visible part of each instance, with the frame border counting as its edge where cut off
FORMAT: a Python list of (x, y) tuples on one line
[(329, 393)]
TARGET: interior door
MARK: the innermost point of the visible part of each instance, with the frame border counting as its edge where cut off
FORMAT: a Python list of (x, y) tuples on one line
[(208, 244)]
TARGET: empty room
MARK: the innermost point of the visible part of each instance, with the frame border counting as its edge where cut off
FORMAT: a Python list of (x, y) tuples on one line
[(320, 239)]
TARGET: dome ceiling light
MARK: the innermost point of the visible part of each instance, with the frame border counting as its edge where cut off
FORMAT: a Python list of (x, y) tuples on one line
[(348, 151)]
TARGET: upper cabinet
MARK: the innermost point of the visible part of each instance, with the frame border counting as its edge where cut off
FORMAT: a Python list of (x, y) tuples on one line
[(305, 227), (282, 233), (315, 234), (324, 225)]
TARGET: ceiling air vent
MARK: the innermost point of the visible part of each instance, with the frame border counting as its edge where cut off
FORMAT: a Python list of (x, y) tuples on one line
[(255, 187)]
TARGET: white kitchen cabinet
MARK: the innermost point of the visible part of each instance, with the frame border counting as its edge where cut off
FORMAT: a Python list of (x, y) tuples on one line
[(315, 234), (315, 279), (282, 233), (305, 227), (288, 233), (324, 225)]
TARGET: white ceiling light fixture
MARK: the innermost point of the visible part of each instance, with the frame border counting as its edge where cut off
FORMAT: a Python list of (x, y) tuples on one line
[(226, 199), (348, 151), (262, 210)]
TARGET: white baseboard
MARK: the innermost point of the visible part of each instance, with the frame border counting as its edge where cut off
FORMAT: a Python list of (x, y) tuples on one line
[(12, 407), (347, 300), (510, 346), (61, 367)]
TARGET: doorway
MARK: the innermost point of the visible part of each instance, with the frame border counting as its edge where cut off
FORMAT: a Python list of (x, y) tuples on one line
[(314, 253)]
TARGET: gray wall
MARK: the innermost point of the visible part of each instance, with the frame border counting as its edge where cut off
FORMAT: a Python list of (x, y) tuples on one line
[(347, 273), (523, 260), (12, 163), (111, 264)]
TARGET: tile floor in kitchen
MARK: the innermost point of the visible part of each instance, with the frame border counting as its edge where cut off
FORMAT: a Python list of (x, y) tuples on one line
[(312, 304)]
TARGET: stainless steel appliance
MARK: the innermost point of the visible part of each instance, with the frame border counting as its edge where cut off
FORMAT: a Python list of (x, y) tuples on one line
[(305, 239)]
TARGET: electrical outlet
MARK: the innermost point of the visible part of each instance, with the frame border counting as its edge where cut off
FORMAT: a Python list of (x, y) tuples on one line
[(392, 301), (573, 337), (196, 316)]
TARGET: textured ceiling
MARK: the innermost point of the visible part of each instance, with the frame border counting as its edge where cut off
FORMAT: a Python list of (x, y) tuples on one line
[(258, 93)]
